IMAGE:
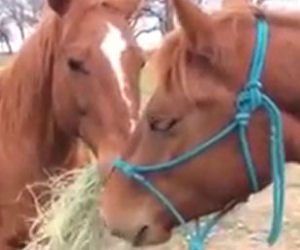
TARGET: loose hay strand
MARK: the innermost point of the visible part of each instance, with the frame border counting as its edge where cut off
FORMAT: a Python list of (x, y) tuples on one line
[(70, 219)]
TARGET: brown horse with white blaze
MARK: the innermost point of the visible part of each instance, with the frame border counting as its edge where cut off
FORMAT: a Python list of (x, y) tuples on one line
[(200, 70), (76, 77)]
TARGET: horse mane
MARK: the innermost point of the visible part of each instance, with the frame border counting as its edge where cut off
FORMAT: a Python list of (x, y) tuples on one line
[(236, 20), (291, 18), (25, 87), (28, 75), (229, 21)]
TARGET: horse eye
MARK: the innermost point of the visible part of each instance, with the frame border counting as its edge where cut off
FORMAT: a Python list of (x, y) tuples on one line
[(77, 66), (162, 125)]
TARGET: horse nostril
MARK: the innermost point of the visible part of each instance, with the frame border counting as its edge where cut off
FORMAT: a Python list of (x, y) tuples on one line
[(141, 235)]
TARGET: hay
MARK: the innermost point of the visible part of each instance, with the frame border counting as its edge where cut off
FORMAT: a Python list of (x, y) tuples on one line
[(70, 219)]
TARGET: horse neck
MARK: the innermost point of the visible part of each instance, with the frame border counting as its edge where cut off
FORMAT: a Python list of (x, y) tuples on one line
[(27, 122)]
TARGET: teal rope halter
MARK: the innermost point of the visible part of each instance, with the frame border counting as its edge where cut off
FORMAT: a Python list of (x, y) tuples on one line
[(250, 99)]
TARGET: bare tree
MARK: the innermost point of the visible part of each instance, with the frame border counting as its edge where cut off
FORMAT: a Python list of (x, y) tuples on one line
[(34, 11), (5, 38), (154, 10), (161, 14), (22, 12), (169, 19), (15, 11), (5, 32)]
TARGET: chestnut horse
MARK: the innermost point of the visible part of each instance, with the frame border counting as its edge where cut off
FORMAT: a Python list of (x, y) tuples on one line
[(76, 77), (200, 71)]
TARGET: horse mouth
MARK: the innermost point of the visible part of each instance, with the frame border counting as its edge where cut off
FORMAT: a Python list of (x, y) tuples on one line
[(140, 237)]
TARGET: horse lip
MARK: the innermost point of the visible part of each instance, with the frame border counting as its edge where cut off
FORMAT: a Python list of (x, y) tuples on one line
[(140, 237)]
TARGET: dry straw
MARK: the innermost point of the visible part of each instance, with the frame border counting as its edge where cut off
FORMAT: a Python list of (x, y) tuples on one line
[(70, 219)]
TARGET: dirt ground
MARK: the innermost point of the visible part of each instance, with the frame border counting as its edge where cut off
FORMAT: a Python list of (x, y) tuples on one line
[(3, 59), (247, 227)]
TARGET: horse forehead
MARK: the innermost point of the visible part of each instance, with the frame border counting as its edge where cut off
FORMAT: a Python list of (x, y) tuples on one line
[(113, 46), (114, 43)]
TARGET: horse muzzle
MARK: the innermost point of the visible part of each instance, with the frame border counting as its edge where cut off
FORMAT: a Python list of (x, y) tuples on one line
[(135, 230), (143, 235)]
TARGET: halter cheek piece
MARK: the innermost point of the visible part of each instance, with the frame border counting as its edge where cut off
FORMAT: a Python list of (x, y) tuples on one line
[(250, 99)]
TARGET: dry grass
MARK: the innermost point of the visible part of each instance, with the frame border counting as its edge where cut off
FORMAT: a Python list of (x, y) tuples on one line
[(69, 220), (248, 225), (3, 59)]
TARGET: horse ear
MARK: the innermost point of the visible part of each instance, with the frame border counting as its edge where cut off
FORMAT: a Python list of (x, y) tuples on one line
[(126, 7), (197, 25), (59, 6)]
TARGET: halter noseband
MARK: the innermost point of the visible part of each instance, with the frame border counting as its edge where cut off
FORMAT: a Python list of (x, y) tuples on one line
[(250, 99)]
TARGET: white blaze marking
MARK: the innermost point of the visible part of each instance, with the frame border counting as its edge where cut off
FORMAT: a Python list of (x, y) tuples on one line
[(113, 46)]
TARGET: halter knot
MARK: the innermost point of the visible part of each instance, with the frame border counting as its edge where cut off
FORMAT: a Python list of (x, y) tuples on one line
[(249, 100)]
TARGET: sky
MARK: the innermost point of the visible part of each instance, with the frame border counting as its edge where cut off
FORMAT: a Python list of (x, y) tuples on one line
[(152, 40)]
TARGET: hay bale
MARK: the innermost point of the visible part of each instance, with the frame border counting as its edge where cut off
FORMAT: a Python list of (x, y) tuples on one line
[(70, 219)]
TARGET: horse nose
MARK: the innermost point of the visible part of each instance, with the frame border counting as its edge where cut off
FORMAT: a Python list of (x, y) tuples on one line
[(105, 170), (133, 230), (106, 165), (137, 238)]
